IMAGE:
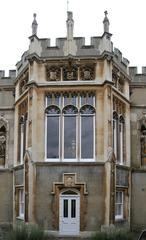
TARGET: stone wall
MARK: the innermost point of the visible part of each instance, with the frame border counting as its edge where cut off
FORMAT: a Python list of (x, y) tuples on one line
[(138, 213), (6, 196), (92, 175)]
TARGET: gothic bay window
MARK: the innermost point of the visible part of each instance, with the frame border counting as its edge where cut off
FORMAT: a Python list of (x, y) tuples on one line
[(70, 127)]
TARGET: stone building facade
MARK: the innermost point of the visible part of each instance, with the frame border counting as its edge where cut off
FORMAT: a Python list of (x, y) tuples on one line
[(66, 157)]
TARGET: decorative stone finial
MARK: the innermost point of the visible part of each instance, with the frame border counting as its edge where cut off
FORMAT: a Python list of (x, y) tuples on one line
[(106, 22), (34, 25), (70, 25)]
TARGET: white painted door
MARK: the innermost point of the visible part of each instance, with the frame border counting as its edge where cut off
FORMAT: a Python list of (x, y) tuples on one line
[(69, 223)]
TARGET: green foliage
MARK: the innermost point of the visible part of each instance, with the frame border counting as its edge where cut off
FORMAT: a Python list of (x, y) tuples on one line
[(26, 232), (114, 235)]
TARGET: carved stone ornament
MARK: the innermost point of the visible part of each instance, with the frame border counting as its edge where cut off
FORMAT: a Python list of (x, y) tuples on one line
[(3, 145), (119, 106), (53, 73), (23, 83), (87, 72), (70, 73)]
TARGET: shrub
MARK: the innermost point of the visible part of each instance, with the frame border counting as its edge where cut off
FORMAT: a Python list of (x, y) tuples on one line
[(26, 232), (114, 235)]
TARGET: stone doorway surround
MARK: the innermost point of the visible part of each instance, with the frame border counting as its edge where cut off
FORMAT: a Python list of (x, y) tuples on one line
[(69, 183)]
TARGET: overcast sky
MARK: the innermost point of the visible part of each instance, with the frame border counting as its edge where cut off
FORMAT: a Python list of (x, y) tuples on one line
[(127, 24)]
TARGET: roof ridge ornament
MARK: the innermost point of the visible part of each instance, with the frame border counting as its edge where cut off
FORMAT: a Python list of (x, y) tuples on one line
[(34, 25), (106, 22)]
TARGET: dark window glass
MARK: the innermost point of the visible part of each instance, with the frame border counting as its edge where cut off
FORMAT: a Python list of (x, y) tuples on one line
[(69, 137), (83, 99), (53, 137), (87, 133), (73, 208), (65, 208), (49, 100), (90, 99)]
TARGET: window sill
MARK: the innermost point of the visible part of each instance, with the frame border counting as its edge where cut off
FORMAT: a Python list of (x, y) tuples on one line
[(20, 218), (120, 220), (69, 160)]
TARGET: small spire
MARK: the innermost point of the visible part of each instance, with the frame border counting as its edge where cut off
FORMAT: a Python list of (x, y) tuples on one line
[(34, 25), (106, 23), (70, 25), (67, 5)]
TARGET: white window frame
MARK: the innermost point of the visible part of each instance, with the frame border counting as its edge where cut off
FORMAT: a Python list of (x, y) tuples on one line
[(115, 137), (21, 202), (121, 129), (120, 216), (78, 133), (51, 159), (21, 142), (69, 159), (88, 159)]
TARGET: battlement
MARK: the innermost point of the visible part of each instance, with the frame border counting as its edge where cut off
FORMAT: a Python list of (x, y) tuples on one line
[(12, 74), (120, 59), (138, 77)]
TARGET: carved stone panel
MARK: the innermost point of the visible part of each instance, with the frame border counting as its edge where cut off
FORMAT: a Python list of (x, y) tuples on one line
[(87, 72), (23, 83), (53, 73), (70, 73)]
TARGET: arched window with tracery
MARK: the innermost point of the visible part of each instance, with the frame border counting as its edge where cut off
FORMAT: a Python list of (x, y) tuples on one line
[(69, 131), (87, 136), (115, 133), (22, 137), (2, 145), (53, 132), (70, 127), (118, 137), (121, 139), (143, 144)]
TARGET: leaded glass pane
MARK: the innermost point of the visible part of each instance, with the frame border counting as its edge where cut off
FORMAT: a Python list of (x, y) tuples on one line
[(87, 137), (53, 137), (70, 137), (70, 109), (87, 109), (52, 110), (90, 99)]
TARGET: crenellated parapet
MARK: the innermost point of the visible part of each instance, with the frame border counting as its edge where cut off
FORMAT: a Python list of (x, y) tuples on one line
[(12, 74), (123, 62), (138, 77)]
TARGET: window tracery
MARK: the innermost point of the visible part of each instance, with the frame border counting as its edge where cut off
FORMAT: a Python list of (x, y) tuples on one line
[(143, 140), (3, 141), (23, 83), (71, 127), (119, 129)]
